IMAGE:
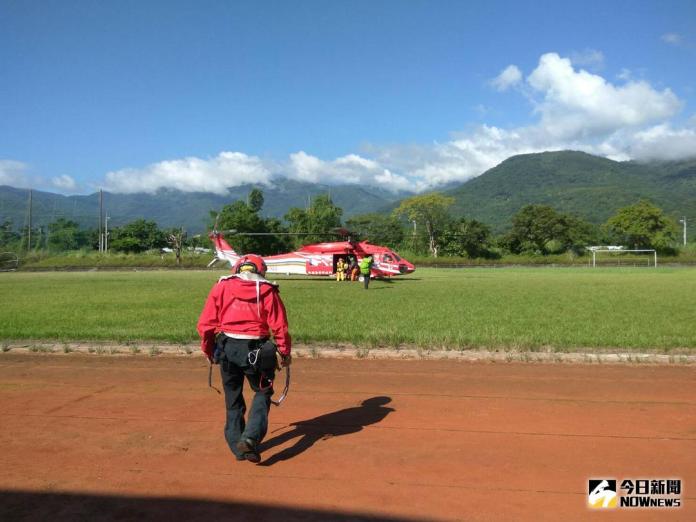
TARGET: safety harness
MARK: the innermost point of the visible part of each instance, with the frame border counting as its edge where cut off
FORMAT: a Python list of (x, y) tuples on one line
[(253, 359), (256, 359), (285, 390), (210, 377)]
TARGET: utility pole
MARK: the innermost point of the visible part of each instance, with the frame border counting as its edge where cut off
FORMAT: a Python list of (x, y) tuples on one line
[(414, 235), (101, 215), (683, 220), (106, 233), (30, 224)]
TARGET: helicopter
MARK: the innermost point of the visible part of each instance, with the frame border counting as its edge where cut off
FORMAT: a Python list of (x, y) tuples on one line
[(319, 259)]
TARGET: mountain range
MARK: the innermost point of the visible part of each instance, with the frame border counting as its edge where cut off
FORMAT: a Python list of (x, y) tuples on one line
[(174, 208), (588, 186)]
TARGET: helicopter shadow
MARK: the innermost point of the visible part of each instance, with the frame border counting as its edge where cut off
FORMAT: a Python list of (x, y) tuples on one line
[(341, 422)]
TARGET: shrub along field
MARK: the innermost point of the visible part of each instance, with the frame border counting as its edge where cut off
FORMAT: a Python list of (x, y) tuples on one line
[(82, 259), (526, 308)]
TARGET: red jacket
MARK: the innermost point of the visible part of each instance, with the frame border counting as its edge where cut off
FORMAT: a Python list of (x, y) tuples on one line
[(247, 306)]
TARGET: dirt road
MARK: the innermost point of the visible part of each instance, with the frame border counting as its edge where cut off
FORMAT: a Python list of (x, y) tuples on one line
[(88, 437)]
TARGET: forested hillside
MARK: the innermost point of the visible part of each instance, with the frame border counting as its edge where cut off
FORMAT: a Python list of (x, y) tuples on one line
[(575, 182)]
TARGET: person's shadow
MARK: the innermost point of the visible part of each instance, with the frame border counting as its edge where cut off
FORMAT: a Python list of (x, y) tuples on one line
[(341, 422)]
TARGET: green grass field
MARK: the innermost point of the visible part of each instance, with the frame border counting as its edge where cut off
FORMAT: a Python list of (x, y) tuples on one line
[(526, 308)]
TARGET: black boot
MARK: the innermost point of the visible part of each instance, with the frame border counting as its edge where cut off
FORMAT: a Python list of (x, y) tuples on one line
[(247, 448)]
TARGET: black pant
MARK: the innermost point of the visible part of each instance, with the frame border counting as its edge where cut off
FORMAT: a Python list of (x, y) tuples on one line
[(234, 367), (366, 280)]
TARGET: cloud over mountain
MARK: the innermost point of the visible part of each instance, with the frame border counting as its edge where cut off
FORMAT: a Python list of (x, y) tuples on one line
[(572, 109), (227, 169), (580, 104), (14, 173)]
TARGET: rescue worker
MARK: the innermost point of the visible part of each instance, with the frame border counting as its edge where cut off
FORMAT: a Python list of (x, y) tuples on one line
[(353, 269), (365, 268), (341, 267), (234, 329)]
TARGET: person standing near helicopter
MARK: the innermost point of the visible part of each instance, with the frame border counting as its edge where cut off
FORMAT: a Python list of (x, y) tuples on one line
[(241, 311), (365, 269), (341, 267), (353, 269)]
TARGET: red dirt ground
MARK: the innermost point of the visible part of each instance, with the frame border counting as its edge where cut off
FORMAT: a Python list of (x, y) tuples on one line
[(87, 437)]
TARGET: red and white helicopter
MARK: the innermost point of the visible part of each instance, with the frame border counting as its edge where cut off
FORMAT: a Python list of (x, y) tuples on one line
[(320, 258)]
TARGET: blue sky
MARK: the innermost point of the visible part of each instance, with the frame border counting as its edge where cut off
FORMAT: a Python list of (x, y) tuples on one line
[(135, 96)]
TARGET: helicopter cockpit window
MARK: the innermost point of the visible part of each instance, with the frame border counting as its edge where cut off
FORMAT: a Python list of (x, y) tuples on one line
[(397, 257), (388, 258)]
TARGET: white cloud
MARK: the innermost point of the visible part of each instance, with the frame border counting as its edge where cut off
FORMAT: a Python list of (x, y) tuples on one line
[(662, 142), (672, 38), (15, 174), (18, 174), (580, 104), (64, 182), (347, 169), (227, 169), (509, 77), (578, 111), (625, 75), (395, 182), (465, 157), (575, 109), (588, 58)]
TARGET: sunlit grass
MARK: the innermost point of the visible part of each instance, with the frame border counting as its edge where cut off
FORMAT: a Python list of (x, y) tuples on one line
[(433, 308)]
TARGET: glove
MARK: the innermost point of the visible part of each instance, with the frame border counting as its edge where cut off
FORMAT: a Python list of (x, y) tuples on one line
[(285, 360)]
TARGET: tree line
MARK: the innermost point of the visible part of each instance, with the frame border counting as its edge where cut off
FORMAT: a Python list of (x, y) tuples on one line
[(536, 230), (422, 225)]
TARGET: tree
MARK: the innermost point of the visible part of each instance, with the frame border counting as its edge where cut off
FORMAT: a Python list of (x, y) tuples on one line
[(9, 238), (255, 199), (469, 238), (540, 229), (377, 229), (321, 218), (642, 225), (137, 236), (244, 218), (64, 234), (431, 212), (578, 234), (176, 239)]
